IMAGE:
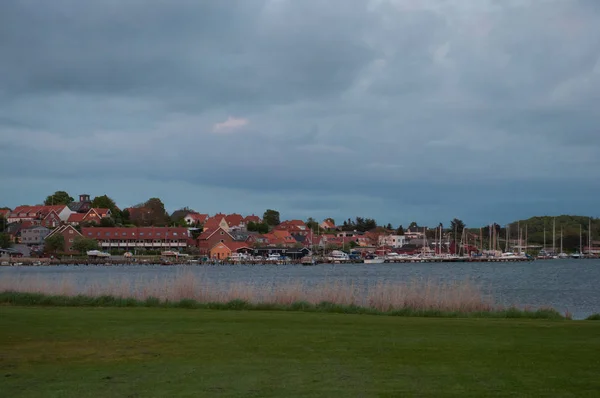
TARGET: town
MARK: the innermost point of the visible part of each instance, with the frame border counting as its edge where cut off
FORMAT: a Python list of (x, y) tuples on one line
[(64, 228)]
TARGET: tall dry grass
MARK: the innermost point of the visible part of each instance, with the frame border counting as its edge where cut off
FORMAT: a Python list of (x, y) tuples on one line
[(419, 295)]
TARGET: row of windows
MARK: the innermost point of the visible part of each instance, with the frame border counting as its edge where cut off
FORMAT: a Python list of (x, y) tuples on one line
[(132, 234)]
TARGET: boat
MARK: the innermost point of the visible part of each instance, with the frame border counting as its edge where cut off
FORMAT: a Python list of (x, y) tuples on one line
[(273, 257), (338, 256), (374, 259), (97, 253), (308, 260), (239, 257)]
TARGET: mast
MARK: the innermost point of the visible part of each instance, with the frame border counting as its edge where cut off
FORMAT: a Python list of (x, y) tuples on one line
[(590, 237), (544, 238), (580, 239), (560, 240), (526, 236), (554, 236)]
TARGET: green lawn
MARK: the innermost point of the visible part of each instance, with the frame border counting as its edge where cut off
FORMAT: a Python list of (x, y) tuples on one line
[(164, 352)]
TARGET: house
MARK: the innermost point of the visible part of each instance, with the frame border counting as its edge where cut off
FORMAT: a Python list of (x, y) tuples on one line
[(327, 224), (83, 206), (415, 232), (217, 221), (150, 238), (69, 233), (14, 229), (38, 213), (280, 239), (294, 227), (235, 221), (51, 220), (223, 250), (193, 218), (94, 215), (348, 234), (211, 236), (34, 235), (393, 241), (252, 218), (75, 219)]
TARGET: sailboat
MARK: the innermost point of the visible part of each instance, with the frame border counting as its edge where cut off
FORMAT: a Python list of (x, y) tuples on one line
[(562, 254), (578, 254)]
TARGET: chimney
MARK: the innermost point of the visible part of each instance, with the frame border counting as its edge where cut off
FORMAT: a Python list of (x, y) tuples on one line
[(84, 197)]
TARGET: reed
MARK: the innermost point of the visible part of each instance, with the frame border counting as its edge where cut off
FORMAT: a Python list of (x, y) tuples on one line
[(186, 290)]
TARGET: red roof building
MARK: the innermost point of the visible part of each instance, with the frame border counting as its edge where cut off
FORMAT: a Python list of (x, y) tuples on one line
[(150, 238)]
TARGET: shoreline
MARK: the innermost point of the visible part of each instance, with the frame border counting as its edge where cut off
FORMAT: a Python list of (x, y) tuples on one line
[(15, 298)]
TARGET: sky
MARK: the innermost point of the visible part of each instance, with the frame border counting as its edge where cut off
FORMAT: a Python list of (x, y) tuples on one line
[(397, 110)]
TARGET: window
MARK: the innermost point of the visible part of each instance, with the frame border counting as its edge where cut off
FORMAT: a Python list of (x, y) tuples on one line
[(222, 232), (71, 240), (70, 232), (124, 234), (174, 233), (141, 234), (158, 234), (108, 234), (89, 234)]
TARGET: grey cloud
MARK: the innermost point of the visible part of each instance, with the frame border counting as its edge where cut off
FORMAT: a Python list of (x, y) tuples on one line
[(450, 107)]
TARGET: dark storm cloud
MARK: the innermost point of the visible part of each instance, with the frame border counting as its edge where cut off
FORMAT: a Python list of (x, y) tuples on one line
[(391, 109)]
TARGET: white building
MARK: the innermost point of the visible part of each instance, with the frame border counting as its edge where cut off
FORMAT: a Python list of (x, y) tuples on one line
[(393, 241)]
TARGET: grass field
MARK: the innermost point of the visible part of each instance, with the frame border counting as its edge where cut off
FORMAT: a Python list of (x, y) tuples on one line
[(164, 352)]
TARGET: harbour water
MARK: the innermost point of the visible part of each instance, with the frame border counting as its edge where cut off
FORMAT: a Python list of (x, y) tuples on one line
[(566, 285)]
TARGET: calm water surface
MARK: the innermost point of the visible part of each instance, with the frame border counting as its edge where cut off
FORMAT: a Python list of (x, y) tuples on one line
[(566, 285)]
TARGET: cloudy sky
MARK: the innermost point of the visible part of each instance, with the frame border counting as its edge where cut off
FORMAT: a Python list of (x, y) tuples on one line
[(399, 110)]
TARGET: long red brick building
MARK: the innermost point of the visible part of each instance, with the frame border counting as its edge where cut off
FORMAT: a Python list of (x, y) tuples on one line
[(150, 238)]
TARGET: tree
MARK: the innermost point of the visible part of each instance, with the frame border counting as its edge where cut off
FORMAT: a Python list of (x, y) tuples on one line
[(180, 214), (107, 222), (58, 198), (105, 202), (456, 227), (261, 228), (55, 243), (413, 225), (312, 224), (389, 226), (3, 223), (83, 244), (150, 213), (5, 241), (271, 217), (125, 216), (400, 230)]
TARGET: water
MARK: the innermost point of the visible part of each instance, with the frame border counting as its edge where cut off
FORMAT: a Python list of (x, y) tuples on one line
[(566, 285)]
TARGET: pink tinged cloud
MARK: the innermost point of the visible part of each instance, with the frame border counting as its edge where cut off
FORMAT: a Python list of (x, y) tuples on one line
[(230, 124)]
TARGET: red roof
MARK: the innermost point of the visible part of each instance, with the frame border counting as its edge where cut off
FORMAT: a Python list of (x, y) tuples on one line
[(235, 246), (76, 217), (208, 232), (327, 224), (100, 211), (213, 222), (233, 220), (252, 218), (35, 211), (5, 212), (197, 217)]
